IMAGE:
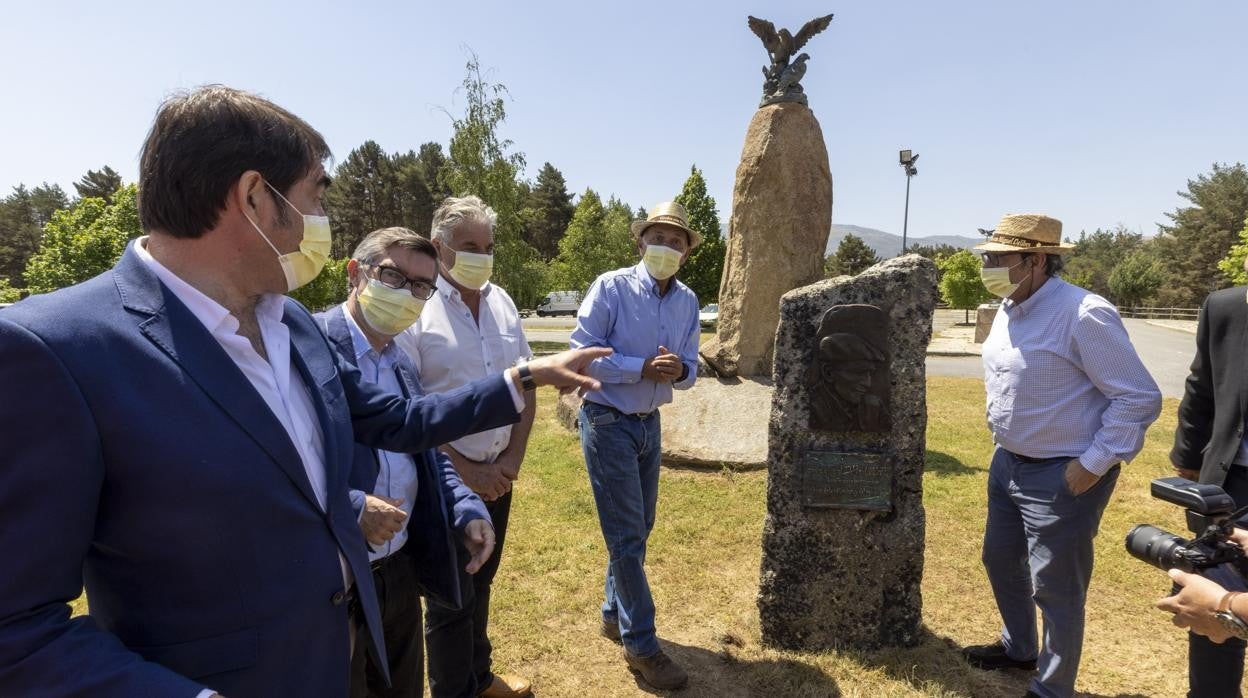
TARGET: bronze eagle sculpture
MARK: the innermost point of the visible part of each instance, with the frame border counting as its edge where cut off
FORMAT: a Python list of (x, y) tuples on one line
[(782, 79)]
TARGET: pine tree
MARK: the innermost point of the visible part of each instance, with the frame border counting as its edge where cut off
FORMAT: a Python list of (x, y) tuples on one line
[(852, 256), (1201, 235), (101, 184), (548, 211), (703, 269)]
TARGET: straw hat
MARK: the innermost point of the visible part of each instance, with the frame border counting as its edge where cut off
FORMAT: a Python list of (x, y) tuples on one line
[(1026, 232), (671, 213)]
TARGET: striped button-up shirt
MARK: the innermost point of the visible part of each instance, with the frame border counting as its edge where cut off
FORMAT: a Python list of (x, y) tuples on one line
[(1063, 379)]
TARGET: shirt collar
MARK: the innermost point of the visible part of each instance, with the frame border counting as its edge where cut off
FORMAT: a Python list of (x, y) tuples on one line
[(647, 282), (359, 343), (1034, 300)]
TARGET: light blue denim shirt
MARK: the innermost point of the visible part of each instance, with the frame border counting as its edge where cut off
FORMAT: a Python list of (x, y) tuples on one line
[(1063, 379), (623, 310)]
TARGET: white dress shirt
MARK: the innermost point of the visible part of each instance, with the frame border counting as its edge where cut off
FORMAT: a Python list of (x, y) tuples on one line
[(450, 349), (281, 389), (396, 476)]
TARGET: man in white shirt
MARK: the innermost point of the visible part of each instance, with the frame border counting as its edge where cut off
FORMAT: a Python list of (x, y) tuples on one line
[(409, 503), (471, 328)]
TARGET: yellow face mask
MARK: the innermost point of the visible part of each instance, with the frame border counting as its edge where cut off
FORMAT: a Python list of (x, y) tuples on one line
[(304, 264), (472, 270), (661, 261), (388, 310)]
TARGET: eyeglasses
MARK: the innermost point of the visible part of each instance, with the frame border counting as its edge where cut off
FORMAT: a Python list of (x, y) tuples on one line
[(395, 279), (996, 259)]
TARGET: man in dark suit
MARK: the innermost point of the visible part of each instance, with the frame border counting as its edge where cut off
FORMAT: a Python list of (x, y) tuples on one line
[(177, 436), (410, 503), (1209, 446)]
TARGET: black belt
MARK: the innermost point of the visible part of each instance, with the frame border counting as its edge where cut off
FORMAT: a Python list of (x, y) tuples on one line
[(637, 415), (379, 563), (1029, 459)]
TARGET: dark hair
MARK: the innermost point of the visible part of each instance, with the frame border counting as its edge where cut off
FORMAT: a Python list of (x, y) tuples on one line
[(202, 141), (1053, 264)]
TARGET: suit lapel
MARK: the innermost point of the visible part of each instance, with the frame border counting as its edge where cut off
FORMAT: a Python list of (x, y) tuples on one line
[(180, 335), (1241, 316)]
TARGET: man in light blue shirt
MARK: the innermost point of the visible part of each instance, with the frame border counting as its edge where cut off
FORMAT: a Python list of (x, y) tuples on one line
[(650, 320), (1068, 400)]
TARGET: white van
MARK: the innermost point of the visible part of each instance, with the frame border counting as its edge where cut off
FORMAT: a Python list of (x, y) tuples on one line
[(559, 303)]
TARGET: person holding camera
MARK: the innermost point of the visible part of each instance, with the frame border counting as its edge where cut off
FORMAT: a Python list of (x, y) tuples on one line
[(1209, 446), (1211, 612), (1067, 401)]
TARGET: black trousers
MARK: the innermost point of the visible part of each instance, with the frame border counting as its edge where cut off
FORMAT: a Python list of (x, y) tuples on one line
[(399, 599), (458, 644), (1213, 670)]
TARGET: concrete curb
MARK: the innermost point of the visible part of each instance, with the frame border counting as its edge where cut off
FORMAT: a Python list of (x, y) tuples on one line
[(1169, 326)]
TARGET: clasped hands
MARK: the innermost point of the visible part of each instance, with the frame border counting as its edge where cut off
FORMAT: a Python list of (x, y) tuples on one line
[(663, 367)]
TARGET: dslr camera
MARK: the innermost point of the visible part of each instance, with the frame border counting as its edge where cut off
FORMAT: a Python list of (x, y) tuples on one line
[(1211, 517)]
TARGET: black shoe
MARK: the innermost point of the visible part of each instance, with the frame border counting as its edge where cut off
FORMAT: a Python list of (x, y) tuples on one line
[(991, 657), (610, 630), (658, 670), (1031, 694)]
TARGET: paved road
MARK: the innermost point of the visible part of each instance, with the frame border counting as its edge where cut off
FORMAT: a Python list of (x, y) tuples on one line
[(1166, 353)]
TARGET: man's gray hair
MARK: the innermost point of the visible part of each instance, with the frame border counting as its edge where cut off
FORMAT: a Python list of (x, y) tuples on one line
[(457, 210), (372, 249)]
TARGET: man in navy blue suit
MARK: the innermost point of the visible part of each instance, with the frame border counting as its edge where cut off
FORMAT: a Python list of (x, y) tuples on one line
[(409, 503), (177, 436)]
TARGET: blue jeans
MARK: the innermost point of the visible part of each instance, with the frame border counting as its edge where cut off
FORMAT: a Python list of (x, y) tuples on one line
[(1038, 552), (622, 456)]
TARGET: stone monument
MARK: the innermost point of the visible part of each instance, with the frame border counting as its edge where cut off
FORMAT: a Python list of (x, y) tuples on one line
[(843, 539), (781, 210)]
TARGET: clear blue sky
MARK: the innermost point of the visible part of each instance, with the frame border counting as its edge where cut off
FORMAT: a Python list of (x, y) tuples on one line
[(1093, 111)]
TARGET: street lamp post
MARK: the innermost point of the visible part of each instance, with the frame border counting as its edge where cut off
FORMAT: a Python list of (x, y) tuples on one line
[(907, 163)]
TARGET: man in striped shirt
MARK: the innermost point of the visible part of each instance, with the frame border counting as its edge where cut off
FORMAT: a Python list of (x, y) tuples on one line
[(1068, 400)]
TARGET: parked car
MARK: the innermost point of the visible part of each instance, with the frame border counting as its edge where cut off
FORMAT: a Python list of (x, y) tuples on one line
[(709, 315), (559, 303)]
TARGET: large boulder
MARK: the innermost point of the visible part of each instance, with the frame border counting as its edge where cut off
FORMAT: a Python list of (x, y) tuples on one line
[(781, 217)]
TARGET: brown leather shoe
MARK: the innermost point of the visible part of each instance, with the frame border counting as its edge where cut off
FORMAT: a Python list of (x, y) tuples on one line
[(658, 670), (507, 686)]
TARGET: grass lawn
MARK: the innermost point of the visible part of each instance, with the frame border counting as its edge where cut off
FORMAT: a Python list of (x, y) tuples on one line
[(703, 564), (704, 560)]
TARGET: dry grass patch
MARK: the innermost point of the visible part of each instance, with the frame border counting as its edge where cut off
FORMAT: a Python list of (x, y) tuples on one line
[(704, 561)]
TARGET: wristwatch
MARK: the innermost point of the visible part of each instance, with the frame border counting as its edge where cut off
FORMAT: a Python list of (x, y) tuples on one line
[(1230, 622), (526, 378)]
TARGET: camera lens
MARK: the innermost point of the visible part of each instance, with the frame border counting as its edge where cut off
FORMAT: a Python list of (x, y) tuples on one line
[(1157, 547)]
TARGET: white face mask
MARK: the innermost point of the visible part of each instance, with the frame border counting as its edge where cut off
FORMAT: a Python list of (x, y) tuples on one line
[(472, 270), (304, 264), (997, 281), (662, 262), (388, 310)]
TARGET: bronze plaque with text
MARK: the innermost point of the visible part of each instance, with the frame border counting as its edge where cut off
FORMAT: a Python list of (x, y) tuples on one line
[(837, 480)]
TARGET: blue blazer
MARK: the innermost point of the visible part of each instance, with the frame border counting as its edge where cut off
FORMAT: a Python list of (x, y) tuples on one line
[(137, 461), (443, 502)]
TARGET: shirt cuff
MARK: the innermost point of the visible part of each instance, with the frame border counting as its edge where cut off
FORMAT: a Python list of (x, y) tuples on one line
[(517, 396), (630, 368), (357, 503), (1097, 460)]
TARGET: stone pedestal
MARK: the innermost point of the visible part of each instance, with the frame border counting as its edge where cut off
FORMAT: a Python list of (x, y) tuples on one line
[(984, 315), (781, 217), (843, 540)]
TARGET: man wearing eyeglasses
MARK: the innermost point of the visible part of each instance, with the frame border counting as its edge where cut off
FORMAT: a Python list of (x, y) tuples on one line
[(471, 328), (407, 503)]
